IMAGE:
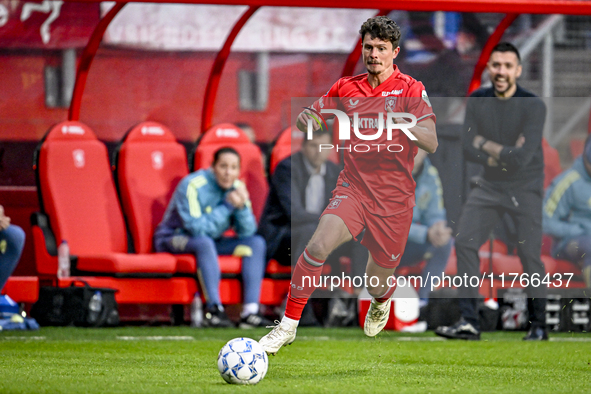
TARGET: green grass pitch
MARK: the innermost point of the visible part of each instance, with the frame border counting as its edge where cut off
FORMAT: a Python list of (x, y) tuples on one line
[(183, 360)]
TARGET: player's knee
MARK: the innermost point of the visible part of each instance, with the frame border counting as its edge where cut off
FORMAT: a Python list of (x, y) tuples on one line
[(319, 249)]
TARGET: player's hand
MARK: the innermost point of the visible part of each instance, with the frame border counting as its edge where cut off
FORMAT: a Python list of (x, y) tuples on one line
[(302, 121), (4, 220), (235, 199), (492, 162), (520, 141)]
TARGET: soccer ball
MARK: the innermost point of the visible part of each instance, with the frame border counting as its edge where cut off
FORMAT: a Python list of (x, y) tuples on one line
[(242, 361)]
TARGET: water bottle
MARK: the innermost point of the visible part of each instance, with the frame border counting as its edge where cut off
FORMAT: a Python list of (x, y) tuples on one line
[(197, 311), (63, 260), (94, 306)]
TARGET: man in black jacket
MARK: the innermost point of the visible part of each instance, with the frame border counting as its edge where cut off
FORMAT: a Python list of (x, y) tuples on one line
[(301, 187), (503, 132)]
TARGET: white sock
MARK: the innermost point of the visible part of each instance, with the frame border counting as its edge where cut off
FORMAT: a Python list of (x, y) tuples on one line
[(291, 322), (251, 308)]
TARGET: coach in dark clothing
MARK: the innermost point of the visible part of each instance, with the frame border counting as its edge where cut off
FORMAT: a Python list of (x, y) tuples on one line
[(301, 187), (503, 132)]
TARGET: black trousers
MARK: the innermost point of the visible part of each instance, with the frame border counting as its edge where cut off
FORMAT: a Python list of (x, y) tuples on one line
[(486, 205)]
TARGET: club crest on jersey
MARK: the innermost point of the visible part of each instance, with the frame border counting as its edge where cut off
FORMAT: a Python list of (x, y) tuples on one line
[(334, 204), (391, 103)]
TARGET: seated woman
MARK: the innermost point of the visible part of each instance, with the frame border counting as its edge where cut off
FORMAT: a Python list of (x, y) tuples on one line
[(567, 213), (204, 205)]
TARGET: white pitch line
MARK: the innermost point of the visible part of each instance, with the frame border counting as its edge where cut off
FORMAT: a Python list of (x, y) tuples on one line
[(570, 339), (420, 339), (25, 338), (157, 338)]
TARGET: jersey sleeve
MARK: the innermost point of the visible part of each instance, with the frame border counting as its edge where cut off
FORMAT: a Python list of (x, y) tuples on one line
[(418, 103), (330, 99)]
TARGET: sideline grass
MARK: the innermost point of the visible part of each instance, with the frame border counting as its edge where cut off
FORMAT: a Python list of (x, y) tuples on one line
[(139, 359)]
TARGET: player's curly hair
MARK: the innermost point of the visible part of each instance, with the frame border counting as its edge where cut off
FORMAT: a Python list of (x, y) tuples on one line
[(383, 28)]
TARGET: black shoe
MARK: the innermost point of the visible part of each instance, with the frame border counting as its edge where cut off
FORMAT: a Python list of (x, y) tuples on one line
[(461, 330), (253, 321), (216, 317), (536, 334)]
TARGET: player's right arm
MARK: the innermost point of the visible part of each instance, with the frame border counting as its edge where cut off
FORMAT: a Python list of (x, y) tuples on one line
[(329, 100), (302, 121)]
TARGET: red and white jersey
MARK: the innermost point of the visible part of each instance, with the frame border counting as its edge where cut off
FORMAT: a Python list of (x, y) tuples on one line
[(382, 175)]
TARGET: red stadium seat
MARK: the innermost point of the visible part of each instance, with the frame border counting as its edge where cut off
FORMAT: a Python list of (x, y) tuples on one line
[(576, 147), (288, 143), (22, 288), (150, 163), (277, 278), (79, 199), (252, 172), (552, 167)]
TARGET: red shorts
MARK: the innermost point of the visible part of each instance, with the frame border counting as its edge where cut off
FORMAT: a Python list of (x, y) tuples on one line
[(385, 236)]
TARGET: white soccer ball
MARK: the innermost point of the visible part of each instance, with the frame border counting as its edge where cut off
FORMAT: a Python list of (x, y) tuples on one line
[(242, 361)]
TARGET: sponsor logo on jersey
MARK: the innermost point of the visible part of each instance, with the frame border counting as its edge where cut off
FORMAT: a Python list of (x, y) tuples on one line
[(353, 103), (392, 92), (341, 197)]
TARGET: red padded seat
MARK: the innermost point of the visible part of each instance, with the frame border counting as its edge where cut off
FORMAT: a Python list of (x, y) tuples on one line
[(150, 165), (81, 202), (251, 169), (22, 288), (552, 167), (288, 143)]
